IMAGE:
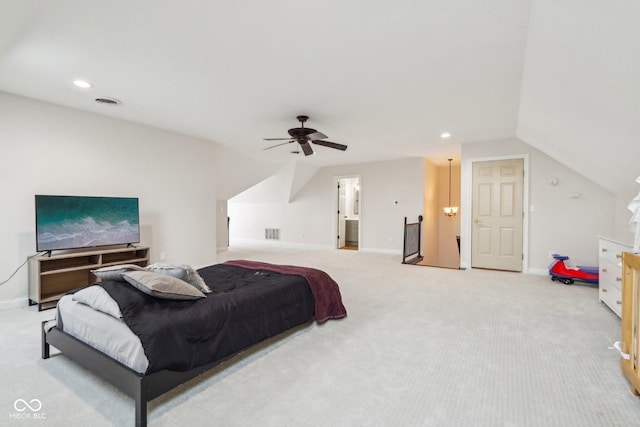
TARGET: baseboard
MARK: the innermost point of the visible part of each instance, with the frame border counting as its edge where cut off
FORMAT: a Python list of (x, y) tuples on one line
[(538, 271), (534, 271), (382, 251), (311, 246), (276, 243), (14, 303)]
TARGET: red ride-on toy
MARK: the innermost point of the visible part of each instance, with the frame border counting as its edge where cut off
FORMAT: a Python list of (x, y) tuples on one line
[(559, 271)]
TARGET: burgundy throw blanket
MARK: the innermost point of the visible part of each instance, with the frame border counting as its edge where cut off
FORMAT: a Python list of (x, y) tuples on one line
[(328, 301)]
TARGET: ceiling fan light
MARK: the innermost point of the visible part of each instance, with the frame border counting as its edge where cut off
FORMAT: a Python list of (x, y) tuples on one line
[(305, 137)]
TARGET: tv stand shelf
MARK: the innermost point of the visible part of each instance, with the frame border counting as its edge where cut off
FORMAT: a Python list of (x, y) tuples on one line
[(50, 277)]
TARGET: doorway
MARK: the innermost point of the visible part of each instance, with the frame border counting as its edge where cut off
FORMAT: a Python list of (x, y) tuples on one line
[(348, 213), (440, 232), (497, 212)]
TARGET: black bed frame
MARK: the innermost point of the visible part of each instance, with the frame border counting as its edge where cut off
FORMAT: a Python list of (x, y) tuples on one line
[(141, 387)]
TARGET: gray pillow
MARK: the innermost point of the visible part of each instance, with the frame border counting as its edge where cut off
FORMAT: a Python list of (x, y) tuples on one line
[(162, 285), (114, 272), (182, 272), (98, 299)]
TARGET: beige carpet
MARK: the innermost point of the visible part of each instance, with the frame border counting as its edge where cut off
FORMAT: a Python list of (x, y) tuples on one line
[(421, 347)]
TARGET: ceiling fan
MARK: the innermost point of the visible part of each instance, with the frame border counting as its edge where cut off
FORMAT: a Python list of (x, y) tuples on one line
[(304, 136)]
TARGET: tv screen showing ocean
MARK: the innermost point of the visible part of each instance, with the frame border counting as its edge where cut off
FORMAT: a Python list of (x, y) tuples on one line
[(66, 222)]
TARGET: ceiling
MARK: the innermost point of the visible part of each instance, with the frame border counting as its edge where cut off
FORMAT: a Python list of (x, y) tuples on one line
[(385, 78)]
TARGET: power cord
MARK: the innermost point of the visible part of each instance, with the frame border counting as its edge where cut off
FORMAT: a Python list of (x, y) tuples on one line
[(22, 265)]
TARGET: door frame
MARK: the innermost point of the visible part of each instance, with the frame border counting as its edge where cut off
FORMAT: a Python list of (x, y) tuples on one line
[(334, 222), (466, 222)]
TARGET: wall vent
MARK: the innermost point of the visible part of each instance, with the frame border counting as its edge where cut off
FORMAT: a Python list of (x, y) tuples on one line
[(272, 234)]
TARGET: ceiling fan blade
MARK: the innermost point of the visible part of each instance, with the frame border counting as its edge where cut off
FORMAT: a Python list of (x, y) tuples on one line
[(316, 135), (306, 148), (277, 145), (331, 145), (276, 139)]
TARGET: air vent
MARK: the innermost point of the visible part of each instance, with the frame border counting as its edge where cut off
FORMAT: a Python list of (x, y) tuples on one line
[(108, 101), (272, 234)]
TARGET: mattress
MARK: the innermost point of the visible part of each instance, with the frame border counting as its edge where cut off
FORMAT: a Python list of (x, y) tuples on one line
[(103, 332)]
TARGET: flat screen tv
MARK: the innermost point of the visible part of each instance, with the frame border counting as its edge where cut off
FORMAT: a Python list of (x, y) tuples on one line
[(71, 222)]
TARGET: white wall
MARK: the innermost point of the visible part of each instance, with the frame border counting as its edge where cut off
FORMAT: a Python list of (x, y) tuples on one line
[(310, 217), (622, 230), (557, 222), (47, 149), (237, 172), (580, 87)]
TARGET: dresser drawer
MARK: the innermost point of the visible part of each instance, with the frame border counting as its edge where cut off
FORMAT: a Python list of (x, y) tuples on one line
[(612, 297), (610, 274), (612, 252), (610, 271)]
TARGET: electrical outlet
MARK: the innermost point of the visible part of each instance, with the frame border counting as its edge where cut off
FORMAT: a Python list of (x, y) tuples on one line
[(162, 256)]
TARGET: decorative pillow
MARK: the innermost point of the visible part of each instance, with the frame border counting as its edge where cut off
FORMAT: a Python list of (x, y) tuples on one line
[(162, 285), (98, 299), (182, 272), (115, 272)]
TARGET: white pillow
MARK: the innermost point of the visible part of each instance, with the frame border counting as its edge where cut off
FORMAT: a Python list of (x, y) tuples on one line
[(114, 272), (182, 272), (98, 299), (162, 285)]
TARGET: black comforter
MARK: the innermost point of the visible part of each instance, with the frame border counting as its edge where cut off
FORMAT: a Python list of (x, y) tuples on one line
[(247, 307)]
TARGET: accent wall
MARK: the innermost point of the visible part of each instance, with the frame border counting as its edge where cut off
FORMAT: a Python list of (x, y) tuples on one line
[(48, 149)]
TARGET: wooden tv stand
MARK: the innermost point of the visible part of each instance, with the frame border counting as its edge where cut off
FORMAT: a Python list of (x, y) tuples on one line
[(50, 277)]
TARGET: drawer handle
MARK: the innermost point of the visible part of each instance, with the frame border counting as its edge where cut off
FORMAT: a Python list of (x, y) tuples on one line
[(604, 290), (604, 270), (618, 256), (618, 279), (618, 302), (604, 249)]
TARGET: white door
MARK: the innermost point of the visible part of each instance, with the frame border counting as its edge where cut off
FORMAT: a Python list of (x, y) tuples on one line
[(497, 213), (342, 222)]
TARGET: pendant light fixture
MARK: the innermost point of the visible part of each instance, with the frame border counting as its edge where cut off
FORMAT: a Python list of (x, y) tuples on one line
[(450, 210)]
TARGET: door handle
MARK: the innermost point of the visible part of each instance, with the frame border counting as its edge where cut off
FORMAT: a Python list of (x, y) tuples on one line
[(476, 220)]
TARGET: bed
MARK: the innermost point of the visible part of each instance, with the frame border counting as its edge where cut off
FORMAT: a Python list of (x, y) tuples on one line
[(160, 343)]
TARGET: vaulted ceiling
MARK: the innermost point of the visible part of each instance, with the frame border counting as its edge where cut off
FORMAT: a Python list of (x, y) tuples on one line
[(386, 78)]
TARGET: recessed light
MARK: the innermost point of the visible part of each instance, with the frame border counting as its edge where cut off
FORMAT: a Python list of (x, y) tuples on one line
[(83, 84), (445, 135)]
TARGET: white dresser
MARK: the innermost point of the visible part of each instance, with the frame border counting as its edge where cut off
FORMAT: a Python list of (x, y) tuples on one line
[(610, 269)]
